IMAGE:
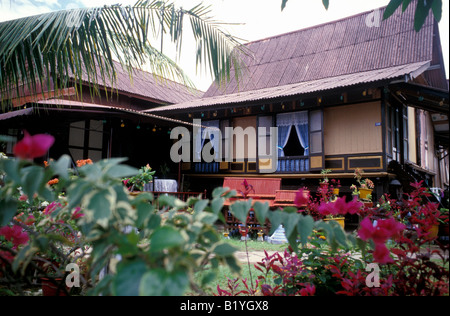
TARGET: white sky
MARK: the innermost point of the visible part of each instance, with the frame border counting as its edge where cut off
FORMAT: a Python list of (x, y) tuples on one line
[(257, 19)]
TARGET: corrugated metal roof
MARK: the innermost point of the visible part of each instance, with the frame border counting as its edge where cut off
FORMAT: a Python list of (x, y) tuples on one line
[(346, 46), (345, 80), (148, 85)]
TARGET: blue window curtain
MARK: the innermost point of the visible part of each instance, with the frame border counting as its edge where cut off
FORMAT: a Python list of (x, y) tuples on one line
[(283, 137), (211, 132), (285, 122)]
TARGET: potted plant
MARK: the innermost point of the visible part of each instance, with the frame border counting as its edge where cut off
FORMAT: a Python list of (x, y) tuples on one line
[(136, 183), (443, 221), (335, 185), (324, 182), (365, 186)]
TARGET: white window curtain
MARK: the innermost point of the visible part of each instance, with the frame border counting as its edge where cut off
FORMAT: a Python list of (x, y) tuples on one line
[(211, 132), (285, 122)]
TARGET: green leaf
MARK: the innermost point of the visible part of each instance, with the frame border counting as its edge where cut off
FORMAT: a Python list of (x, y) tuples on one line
[(219, 191), (207, 218), (121, 171), (391, 8), (275, 219), (290, 221), (8, 209), (12, 169), (217, 205), (61, 166), (128, 278), (326, 3), (339, 234), (283, 4), (405, 5), (421, 14), (200, 206), (165, 237), (100, 204), (290, 209), (159, 282), (31, 180), (240, 210), (261, 210), (305, 228), (224, 249), (437, 9)]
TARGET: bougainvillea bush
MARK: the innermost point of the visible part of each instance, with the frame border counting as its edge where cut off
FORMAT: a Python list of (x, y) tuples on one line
[(393, 253), (52, 217)]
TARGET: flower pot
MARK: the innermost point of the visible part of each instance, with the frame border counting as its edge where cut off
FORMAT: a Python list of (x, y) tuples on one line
[(324, 185), (433, 232), (363, 193), (339, 220), (50, 288)]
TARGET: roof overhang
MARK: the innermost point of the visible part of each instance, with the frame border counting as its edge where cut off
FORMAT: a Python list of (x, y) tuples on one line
[(89, 109), (384, 75), (433, 100)]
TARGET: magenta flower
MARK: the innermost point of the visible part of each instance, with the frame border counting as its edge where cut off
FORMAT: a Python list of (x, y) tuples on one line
[(382, 254), (380, 233), (340, 206), (15, 235), (301, 199), (51, 208), (77, 213), (35, 146)]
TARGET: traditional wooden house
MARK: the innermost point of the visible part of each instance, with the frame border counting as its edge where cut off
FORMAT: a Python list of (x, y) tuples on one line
[(104, 124), (343, 95)]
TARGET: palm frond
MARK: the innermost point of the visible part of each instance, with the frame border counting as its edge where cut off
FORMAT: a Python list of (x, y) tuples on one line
[(52, 50)]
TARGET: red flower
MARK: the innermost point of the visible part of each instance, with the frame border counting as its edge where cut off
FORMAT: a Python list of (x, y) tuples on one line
[(15, 235), (35, 146), (308, 290)]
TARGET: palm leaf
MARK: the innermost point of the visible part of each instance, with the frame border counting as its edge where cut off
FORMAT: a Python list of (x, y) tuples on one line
[(51, 51)]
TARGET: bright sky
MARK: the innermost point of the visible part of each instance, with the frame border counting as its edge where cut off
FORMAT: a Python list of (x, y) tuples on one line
[(257, 19)]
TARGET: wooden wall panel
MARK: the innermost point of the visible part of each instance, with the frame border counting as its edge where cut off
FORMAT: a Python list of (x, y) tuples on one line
[(353, 129)]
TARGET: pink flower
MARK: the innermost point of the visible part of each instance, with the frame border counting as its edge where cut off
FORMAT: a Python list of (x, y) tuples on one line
[(35, 146), (382, 254), (340, 206), (15, 235), (380, 233), (30, 220), (51, 208), (301, 199), (77, 213)]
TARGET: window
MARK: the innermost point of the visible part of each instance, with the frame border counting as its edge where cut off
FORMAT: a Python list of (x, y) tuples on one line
[(86, 140), (291, 125), (405, 134), (7, 147), (316, 132), (207, 146)]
